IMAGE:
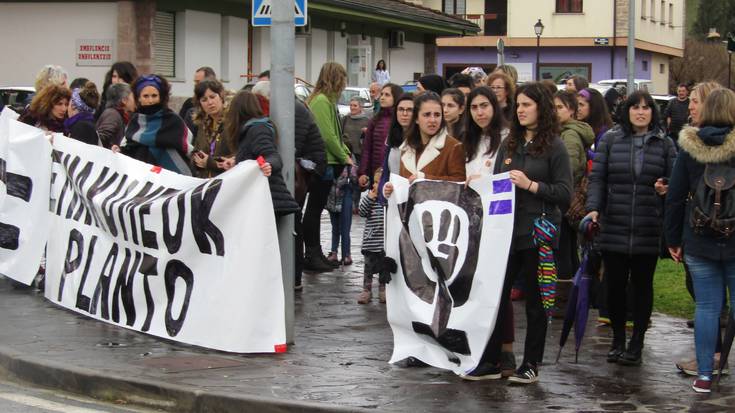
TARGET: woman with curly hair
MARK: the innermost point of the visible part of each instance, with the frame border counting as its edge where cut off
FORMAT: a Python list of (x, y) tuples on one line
[(48, 109), (210, 150), (156, 134), (539, 167)]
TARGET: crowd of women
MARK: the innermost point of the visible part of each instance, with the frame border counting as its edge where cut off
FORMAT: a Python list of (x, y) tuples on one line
[(572, 167)]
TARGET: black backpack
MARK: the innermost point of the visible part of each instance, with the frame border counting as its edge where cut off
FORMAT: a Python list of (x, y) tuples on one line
[(713, 202)]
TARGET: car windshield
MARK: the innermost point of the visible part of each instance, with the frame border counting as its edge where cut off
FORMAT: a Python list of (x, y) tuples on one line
[(348, 94)]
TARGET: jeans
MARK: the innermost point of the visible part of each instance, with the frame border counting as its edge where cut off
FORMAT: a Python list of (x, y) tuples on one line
[(710, 277), (342, 223), (639, 270)]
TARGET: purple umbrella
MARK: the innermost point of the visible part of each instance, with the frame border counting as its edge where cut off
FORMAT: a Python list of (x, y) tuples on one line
[(578, 306)]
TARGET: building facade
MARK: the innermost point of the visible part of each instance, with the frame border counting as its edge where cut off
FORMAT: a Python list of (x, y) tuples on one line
[(174, 38), (585, 37)]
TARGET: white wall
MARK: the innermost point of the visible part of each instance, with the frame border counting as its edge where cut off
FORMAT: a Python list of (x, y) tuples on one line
[(200, 46), (318, 52), (595, 21), (340, 48), (402, 63), (234, 52), (37, 34), (261, 49), (300, 55)]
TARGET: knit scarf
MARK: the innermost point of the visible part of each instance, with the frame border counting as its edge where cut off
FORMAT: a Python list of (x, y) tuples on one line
[(166, 137), (81, 116), (543, 235)]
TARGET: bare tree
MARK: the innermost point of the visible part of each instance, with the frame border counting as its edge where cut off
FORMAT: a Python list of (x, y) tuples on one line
[(702, 61)]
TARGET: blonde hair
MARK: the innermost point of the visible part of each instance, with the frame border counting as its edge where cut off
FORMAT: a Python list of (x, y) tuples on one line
[(719, 108), (332, 81), (508, 70), (510, 86), (703, 89), (50, 74)]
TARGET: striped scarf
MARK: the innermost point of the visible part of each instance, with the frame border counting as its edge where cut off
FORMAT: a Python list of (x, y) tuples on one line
[(543, 235), (165, 136)]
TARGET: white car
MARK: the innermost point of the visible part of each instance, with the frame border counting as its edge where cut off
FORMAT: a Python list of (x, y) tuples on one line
[(361, 93), (17, 97), (644, 84)]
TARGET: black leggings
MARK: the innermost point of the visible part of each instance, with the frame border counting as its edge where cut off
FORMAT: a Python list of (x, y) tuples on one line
[(318, 193), (639, 269)]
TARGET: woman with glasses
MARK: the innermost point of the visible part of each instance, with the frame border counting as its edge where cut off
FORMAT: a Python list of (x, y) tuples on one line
[(505, 90)]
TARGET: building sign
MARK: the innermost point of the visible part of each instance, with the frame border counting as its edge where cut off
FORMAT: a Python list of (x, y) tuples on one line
[(262, 12), (95, 52), (602, 41)]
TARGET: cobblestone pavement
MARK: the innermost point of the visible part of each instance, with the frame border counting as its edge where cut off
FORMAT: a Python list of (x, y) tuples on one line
[(339, 362)]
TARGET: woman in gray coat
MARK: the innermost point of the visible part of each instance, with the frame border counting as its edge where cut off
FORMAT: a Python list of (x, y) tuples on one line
[(111, 124)]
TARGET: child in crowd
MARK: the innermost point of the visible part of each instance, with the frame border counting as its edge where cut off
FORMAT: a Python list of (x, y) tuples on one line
[(372, 243)]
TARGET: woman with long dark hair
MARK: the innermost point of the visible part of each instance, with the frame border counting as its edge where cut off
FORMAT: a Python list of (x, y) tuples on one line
[(402, 114), (592, 109), (381, 75), (453, 104), (120, 72), (485, 129), (251, 135), (538, 164), (373, 146), (631, 166)]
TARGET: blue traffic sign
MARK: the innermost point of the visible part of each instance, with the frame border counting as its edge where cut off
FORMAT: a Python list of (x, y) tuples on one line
[(262, 13)]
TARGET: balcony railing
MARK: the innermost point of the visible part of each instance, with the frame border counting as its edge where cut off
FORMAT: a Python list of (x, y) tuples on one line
[(491, 24)]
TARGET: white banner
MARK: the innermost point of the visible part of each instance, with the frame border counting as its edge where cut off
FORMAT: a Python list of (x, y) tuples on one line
[(25, 170), (451, 245)]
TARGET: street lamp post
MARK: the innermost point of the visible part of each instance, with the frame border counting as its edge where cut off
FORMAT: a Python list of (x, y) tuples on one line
[(538, 28)]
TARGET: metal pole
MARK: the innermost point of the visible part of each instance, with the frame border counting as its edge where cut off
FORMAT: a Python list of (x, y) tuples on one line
[(282, 113), (538, 57), (631, 46), (729, 69)]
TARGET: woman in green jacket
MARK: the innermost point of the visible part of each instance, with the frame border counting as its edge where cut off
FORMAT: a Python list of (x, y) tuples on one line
[(323, 104)]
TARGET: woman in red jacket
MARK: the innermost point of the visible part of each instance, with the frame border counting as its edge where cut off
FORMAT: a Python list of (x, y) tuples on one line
[(373, 147)]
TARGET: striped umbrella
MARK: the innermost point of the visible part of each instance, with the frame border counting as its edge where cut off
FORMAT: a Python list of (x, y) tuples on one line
[(543, 235)]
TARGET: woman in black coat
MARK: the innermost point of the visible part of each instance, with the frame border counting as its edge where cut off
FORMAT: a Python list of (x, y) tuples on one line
[(251, 136), (629, 179)]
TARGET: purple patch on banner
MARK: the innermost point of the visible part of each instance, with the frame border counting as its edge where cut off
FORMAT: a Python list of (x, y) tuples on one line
[(503, 185), (501, 207)]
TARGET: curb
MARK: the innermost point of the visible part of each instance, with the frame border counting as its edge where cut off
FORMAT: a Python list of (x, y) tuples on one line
[(146, 393)]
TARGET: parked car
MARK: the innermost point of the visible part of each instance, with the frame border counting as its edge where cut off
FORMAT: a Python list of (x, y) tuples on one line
[(409, 87), (362, 93), (302, 91), (645, 84), (17, 97)]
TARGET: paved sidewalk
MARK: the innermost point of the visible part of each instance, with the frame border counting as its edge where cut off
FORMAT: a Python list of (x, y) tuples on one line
[(338, 363)]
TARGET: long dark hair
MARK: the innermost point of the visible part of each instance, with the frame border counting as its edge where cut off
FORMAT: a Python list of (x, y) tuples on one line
[(395, 136), (244, 106), (413, 134), (474, 133), (201, 88), (395, 91), (599, 116), (568, 99), (547, 128), (632, 100), (377, 65), (456, 130), (126, 71)]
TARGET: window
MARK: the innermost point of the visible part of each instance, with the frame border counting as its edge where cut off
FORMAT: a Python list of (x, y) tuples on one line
[(663, 12), (662, 68), (671, 14), (164, 56), (455, 7), (643, 10), (645, 65), (569, 6), (652, 10)]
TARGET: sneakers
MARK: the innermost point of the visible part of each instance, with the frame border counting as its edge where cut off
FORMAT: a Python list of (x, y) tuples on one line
[(381, 294), (603, 321), (690, 367), (364, 297), (483, 372), (526, 374), (702, 384), (507, 363)]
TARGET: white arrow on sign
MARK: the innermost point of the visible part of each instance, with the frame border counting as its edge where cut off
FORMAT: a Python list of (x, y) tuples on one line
[(262, 12)]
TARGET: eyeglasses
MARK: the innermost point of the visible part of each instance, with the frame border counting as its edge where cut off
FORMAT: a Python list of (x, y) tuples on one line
[(497, 87), (405, 110)]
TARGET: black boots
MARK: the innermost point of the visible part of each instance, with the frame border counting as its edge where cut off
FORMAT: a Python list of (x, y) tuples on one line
[(632, 355), (617, 350), (315, 261)]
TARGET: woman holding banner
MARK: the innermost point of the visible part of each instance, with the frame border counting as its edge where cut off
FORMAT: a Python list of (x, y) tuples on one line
[(210, 151), (539, 167), (428, 151)]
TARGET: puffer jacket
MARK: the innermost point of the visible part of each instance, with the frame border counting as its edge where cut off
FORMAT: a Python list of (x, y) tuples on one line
[(257, 139), (577, 137), (307, 139), (373, 147), (631, 212), (699, 146)]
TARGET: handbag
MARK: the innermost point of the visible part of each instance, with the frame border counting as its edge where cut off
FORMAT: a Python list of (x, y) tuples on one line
[(577, 210)]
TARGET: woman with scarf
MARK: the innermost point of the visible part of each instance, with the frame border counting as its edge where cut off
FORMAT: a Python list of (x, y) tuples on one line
[(116, 116), (210, 149), (48, 109), (80, 124), (625, 195), (538, 164), (156, 134)]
